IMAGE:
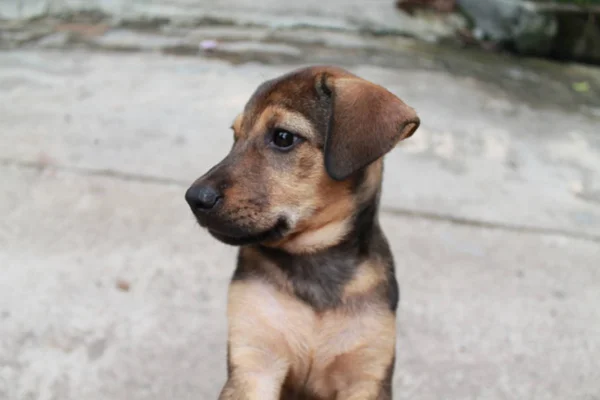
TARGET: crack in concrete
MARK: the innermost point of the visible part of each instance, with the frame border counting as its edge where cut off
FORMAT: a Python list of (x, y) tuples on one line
[(83, 171), (392, 211), (535, 230)]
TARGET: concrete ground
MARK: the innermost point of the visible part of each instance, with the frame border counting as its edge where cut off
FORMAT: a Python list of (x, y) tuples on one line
[(109, 290)]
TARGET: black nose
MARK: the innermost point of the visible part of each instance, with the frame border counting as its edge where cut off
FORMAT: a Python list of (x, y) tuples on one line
[(202, 197)]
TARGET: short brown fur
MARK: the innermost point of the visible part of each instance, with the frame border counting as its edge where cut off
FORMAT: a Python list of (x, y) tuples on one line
[(313, 299)]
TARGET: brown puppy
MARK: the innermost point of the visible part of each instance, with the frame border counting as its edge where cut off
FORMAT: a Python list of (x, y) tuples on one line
[(313, 299)]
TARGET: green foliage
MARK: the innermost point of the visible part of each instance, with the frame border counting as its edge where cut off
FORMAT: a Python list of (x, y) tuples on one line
[(581, 87)]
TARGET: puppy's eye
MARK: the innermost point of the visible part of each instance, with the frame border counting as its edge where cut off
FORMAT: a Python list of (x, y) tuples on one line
[(284, 140)]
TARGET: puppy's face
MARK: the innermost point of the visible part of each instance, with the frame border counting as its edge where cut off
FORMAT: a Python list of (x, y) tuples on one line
[(298, 148)]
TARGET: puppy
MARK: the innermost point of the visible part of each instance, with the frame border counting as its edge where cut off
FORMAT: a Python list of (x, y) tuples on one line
[(313, 299)]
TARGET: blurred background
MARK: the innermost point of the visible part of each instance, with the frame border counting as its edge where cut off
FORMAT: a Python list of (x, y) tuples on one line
[(109, 109)]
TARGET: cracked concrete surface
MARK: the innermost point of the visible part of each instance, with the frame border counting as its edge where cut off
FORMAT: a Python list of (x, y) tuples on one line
[(380, 16), (109, 290)]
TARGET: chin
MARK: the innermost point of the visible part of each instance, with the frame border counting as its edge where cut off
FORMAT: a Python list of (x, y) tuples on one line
[(244, 237)]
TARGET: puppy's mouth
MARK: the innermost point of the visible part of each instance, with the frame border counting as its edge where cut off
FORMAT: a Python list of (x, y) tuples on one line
[(239, 237)]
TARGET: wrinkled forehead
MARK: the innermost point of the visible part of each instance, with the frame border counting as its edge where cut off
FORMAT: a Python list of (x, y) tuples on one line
[(297, 92)]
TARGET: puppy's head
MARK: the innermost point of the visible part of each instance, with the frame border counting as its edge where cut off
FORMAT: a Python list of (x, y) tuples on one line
[(304, 147)]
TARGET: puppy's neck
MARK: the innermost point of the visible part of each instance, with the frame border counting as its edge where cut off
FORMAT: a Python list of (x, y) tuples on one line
[(356, 262), (327, 278)]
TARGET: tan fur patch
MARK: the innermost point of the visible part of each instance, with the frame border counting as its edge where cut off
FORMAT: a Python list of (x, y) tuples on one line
[(367, 277), (291, 121), (331, 208), (237, 125), (372, 181), (311, 241), (282, 118)]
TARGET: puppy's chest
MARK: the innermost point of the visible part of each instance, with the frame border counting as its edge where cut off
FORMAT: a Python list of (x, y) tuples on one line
[(282, 320), (310, 341)]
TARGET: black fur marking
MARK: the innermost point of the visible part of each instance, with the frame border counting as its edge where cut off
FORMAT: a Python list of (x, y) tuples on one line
[(229, 366), (318, 279), (240, 237), (243, 270), (393, 291), (386, 392), (322, 86)]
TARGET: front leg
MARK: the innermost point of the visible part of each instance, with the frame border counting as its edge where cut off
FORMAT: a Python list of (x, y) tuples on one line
[(259, 353), (369, 388), (366, 391), (366, 372), (254, 377)]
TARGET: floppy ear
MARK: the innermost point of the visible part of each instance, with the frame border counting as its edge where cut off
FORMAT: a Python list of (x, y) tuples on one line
[(366, 122)]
